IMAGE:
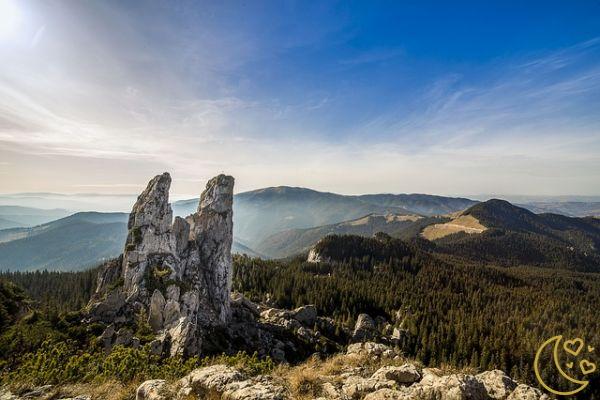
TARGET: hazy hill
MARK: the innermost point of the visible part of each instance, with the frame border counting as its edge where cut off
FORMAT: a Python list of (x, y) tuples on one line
[(569, 208), (17, 216), (516, 236), (75, 242), (294, 241)]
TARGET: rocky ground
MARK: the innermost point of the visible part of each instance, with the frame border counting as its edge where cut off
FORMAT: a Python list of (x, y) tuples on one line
[(369, 371)]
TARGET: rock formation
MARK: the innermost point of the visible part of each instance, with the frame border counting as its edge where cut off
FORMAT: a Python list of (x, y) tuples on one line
[(176, 274)]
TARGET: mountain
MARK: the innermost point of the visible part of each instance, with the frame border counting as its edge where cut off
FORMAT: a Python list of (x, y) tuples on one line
[(258, 214), (498, 232), (75, 242), (294, 241), (17, 216)]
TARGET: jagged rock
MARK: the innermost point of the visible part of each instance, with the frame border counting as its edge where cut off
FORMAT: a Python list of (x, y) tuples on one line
[(497, 384), (364, 330), (151, 390), (306, 315), (524, 392), (405, 374), (178, 273)]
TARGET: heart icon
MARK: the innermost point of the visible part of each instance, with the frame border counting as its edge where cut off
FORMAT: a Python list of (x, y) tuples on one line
[(573, 346), (570, 365), (587, 367), (590, 349)]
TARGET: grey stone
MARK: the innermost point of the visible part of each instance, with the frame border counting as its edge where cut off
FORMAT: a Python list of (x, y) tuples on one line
[(306, 315), (364, 329), (497, 384), (405, 374)]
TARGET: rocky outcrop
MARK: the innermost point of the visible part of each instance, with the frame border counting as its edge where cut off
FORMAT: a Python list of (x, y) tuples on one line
[(365, 329), (176, 273)]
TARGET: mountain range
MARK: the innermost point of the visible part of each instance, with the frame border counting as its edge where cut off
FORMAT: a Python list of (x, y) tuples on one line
[(283, 221)]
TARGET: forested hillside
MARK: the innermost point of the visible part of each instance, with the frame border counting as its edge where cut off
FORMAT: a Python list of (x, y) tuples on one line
[(516, 236), (462, 314)]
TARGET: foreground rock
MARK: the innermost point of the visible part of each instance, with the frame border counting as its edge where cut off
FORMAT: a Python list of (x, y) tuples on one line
[(355, 379), (229, 383)]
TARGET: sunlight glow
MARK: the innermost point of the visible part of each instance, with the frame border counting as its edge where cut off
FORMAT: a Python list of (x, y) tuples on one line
[(9, 17)]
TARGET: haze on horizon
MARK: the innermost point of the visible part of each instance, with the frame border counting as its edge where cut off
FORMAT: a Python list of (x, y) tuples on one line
[(427, 97)]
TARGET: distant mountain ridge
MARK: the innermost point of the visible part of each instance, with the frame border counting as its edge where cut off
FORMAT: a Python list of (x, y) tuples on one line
[(18, 216), (74, 242), (259, 214)]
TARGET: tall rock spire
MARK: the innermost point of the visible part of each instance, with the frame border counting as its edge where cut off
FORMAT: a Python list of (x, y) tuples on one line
[(177, 274), (149, 230), (212, 230)]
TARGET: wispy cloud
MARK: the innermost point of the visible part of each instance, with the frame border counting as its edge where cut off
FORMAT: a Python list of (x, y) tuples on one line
[(107, 98)]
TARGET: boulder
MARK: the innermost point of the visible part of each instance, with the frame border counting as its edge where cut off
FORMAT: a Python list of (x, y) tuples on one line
[(497, 384), (364, 329), (306, 315), (207, 379), (406, 374)]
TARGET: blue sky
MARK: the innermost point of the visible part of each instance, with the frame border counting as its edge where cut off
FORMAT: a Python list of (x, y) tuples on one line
[(352, 97)]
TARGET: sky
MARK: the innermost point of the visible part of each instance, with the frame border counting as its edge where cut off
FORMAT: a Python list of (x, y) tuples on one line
[(350, 97)]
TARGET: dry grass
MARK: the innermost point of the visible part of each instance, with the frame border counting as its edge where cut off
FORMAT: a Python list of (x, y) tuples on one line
[(463, 223)]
